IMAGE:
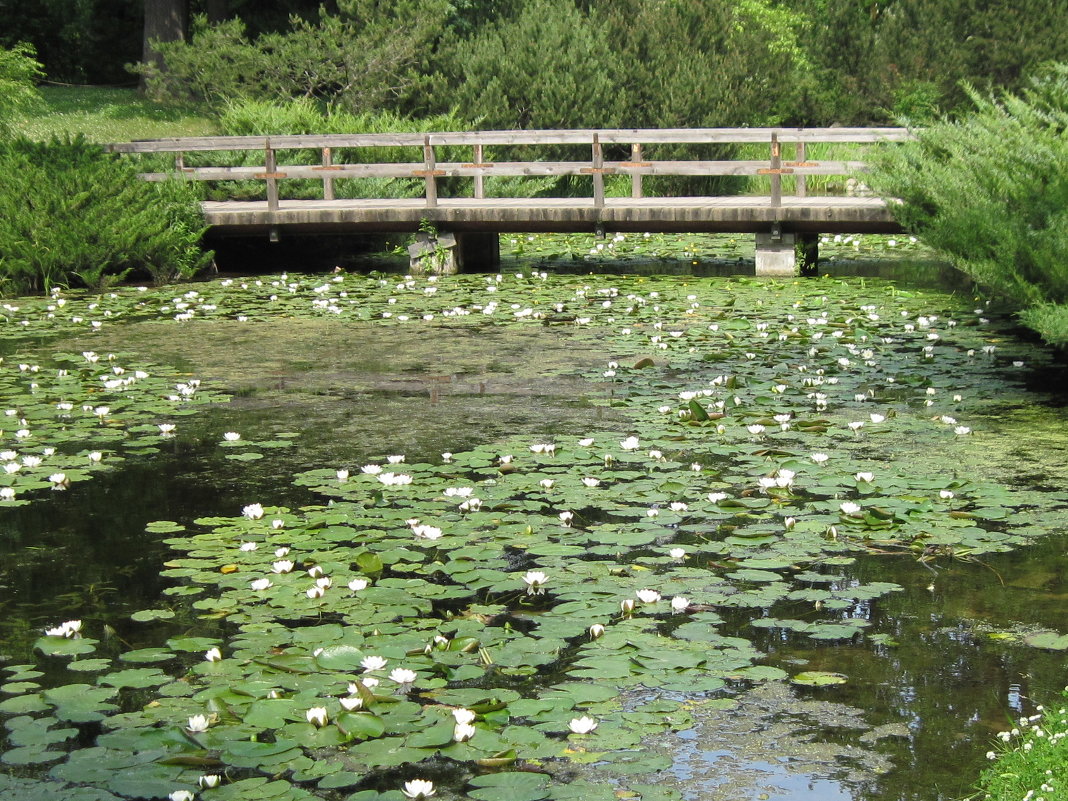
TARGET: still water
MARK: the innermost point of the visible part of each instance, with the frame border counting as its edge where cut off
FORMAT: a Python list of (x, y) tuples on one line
[(921, 705)]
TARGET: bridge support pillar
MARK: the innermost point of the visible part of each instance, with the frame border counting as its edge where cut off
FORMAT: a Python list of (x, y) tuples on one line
[(435, 255), (478, 252), (775, 254)]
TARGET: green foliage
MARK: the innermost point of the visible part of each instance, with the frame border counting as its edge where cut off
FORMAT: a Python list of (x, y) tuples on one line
[(547, 67), (72, 215), (18, 72), (1031, 760), (991, 191), (367, 56)]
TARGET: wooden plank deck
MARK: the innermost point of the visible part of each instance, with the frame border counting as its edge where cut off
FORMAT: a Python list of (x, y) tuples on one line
[(739, 214)]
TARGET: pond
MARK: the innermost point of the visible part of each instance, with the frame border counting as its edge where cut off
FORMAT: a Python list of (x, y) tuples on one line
[(528, 535)]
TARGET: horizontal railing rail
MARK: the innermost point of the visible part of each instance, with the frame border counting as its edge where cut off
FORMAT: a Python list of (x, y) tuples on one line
[(429, 169)]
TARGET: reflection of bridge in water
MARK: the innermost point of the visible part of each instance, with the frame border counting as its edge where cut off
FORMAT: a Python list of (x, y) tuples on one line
[(464, 185)]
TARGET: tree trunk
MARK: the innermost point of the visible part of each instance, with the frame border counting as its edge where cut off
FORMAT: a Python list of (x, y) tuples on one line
[(165, 21)]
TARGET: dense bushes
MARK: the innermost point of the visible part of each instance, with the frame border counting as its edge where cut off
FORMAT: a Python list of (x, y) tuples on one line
[(991, 192), (72, 215)]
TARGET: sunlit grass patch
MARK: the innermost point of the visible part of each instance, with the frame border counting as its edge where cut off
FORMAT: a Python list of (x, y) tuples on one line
[(108, 115)]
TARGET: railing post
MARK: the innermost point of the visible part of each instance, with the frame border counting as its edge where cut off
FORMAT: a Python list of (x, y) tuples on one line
[(598, 174), (328, 180), (270, 168), (802, 185), (636, 178), (480, 187), (430, 166), (179, 161), (776, 171)]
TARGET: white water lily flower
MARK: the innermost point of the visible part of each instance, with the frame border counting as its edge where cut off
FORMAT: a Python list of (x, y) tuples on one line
[(181, 795), (535, 581), (656, 455), (755, 429), (395, 459), (209, 780), (231, 436), (253, 511), (626, 606), (585, 442), (446, 457), (716, 497), (961, 431), (315, 571), (70, 628), (866, 477), (315, 592), (419, 788), (371, 469), (462, 732), (679, 604), (652, 512), (849, 508), (596, 631), (282, 552), (819, 458), (789, 523), (591, 482), (648, 596), (198, 723), (373, 662), (282, 566), (394, 479), (425, 532), (677, 553), (213, 655), (7, 493), (630, 444), (342, 475), (877, 418), (403, 675), (358, 584), (583, 725), (166, 428), (261, 584), (945, 494), (566, 517), (462, 715), (58, 479), (95, 456), (351, 703), (278, 523), (856, 426), (317, 716), (678, 506)]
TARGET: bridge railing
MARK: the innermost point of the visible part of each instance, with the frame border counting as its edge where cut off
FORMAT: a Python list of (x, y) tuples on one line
[(430, 169)]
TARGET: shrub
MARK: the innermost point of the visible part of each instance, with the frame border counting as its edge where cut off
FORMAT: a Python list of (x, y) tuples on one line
[(18, 72), (71, 214), (990, 191)]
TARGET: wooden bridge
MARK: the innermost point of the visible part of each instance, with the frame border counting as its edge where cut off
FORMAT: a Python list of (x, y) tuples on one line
[(465, 183)]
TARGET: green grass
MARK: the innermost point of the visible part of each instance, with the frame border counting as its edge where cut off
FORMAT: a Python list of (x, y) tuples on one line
[(109, 115)]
